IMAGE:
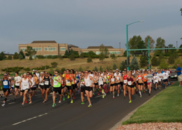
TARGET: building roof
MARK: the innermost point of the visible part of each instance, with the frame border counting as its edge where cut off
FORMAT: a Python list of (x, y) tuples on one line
[(96, 47), (70, 45), (44, 42)]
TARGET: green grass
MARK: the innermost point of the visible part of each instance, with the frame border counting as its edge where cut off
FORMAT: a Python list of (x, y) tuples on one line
[(164, 107)]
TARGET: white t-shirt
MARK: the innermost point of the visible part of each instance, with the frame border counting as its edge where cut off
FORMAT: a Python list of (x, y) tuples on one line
[(165, 75), (37, 74), (156, 79), (168, 72), (17, 79), (115, 74), (160, 75)]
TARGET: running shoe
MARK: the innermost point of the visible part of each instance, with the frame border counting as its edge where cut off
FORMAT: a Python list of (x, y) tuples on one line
[(90, 105), (141, 96), (30, 102), (68, 96), (54, 104), (3, 105), (130, 101), (103, 96), (59, 101), (25, 101), (63, 98), (82, 103), (71, 101), (44, 101), (113, 97)]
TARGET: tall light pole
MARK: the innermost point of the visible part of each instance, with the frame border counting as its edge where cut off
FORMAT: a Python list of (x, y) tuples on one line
[(127, 41)]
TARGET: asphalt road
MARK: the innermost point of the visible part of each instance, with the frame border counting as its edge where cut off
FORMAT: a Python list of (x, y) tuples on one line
[(103, 115)]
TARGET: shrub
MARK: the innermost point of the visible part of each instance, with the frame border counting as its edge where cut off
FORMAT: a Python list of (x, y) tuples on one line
[(72, 57), (108, 68), (163, 64), (54, 64), (113, 56), (171, 59), (51, 71), (60, 57), (89, 59), (114, 67), (27, 69), (143, 61), (16, 56), (122, 66), (82, 55), (155, 61), (101, 57), (9, 57), (80, 69), (40, 57), (134, 64), (95, 68)]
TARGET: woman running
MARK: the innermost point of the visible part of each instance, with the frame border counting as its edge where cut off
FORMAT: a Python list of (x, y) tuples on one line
[(41, 84), (88, 87), (68, 81), (125, 82), (47, 84), (32, 88), (155, 80), (74, 85), (112, 84), (17, 84), (130, 82), (149, 81), (118, 82), (96, 86), (82, 86), (25, 84), (101, 84), (140, 82)]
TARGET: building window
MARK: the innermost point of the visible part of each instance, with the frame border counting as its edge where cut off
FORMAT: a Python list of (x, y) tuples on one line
[(63, 49), (114, 52), (37, 48), (97, 52), (49, 48), (23, 49), (45, 49)]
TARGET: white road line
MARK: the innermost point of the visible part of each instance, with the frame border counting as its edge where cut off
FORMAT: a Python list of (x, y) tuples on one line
[(30, 119), (11, 103)]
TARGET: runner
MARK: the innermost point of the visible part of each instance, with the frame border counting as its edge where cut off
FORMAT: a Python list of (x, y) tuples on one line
[(149, 81), (56, 87), (17, 84), (130, 82), (68, 82), (160, 75), (82, 86), (47, 84), (6, 88), (112, 85), (145, 81), (25, 84), (165, 78), (125, 83), (32, 88), (118, 82), (41, 84), (88, 87), (155, 80), (96, 86), (140, 82), (74, 85), (101, 84)]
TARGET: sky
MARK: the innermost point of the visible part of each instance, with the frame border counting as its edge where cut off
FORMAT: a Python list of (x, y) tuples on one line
[(87, 22)]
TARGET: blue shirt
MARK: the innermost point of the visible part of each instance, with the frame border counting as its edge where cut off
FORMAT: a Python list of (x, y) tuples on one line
[(5, 83), (162, 71), (178, 69)]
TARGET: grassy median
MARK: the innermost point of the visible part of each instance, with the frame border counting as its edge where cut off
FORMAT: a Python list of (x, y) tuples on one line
[(164, 107)]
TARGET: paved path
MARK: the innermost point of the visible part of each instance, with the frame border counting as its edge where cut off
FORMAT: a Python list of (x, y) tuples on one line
[(104, 114)]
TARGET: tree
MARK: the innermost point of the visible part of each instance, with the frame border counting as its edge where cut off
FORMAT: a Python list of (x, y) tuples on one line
[(155, 61), (101, 57), (113, 56), (72, 57), (16, 56), (103, 50), (125, 54), (172, 50), (134, 43), (101, 69), (1, 58), (163, 64), (180, 50), (152, 42), (54, 64), (134, 64), (82, 55), (106, 52), (122, 66), (3, 55), (21, 55), (95, 69), (9, 57), (89, 59), (66, 53), (80, 69), (60, 57), (108, 67), (143, 61), (30, 52), (160, 43), (114, 67), (171, 59)]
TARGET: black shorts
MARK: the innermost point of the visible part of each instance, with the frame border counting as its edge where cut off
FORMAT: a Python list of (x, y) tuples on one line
[(83, 89), (68, 87), (116, 84), (24, 90), (46, 87), (74, 86), (34, 88), (101, 85), (140, 83), (57, 90), (166, 80), (145, 83), (105, 83), (88, 88), (131, 86), (112, 85), (6, 89), (121, 83), (95, 83), (42, 86), (17, 86)]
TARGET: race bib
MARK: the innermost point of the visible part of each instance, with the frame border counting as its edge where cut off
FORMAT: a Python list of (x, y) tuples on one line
[(129, 82), (47, 83), (68, 83), (112, 80), (139, 78), (55, 82), (149, 80), (125, 81), (5, 83), (25, 85), (87, 85), (17, 84)]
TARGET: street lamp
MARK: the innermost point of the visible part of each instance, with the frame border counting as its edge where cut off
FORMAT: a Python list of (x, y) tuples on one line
[(127, 41)]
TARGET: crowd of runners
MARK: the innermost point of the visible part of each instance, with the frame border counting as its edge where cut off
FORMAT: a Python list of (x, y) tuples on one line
[(87, 84)]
